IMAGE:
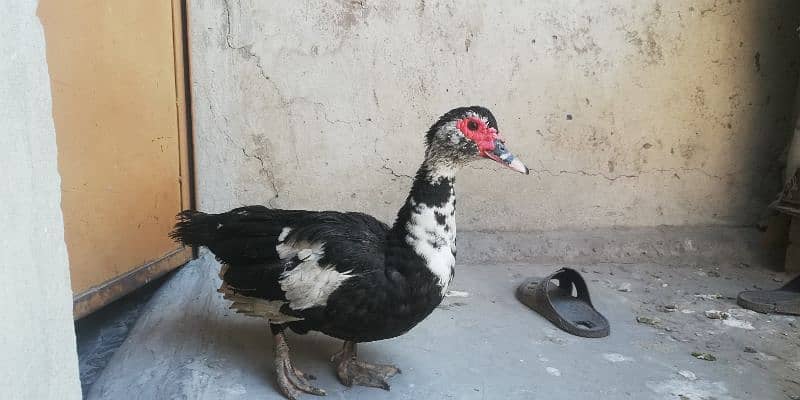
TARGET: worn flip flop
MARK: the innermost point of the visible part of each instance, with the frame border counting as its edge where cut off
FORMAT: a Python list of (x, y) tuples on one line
[(785, 300), (573, 314)]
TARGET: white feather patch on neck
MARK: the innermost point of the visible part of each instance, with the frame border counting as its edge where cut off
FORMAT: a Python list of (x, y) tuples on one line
[(442, 171), (432, 241)]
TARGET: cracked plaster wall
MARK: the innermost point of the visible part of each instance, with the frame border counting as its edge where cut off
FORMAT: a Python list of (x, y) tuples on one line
[(628, 112)]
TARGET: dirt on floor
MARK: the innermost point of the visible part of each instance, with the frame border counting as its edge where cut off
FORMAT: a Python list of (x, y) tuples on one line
[(676, 334), (692, 308)]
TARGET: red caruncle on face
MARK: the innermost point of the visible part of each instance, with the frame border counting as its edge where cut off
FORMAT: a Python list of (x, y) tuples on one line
[(476, 130)]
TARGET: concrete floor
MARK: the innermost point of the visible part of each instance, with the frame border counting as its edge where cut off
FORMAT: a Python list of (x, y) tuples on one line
[(187, 344), (101, 333)]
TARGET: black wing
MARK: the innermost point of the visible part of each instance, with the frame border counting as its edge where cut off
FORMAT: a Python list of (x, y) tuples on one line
[(245, 239), (352, 241), (245, 235)]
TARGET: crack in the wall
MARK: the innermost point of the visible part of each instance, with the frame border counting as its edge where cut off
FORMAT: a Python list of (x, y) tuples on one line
[(321, 107), (247, 52), (287, 104), (395, 174), (215, 118), (385, 165), (699, 170), (582, 172), (613, 178), (268, 172)]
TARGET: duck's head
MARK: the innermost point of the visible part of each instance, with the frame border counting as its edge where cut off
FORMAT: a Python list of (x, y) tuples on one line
[(467, 134)]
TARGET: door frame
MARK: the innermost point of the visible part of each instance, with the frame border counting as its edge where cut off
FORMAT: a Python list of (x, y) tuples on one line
[(96, 297)]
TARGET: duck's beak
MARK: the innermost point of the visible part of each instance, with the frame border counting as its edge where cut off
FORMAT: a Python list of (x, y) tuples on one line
[(505, 157)]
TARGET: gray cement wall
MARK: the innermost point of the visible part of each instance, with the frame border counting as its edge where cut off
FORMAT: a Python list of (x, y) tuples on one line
[(629, 112), (37, 342)]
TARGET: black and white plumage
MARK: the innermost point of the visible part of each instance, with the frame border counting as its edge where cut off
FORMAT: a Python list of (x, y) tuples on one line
[(346, 274)]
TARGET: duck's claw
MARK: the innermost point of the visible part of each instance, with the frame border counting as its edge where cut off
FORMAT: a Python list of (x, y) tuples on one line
[(291, 381), (355, 372)]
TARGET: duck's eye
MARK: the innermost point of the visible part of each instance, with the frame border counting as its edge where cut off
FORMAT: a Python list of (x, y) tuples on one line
[(472, 125)]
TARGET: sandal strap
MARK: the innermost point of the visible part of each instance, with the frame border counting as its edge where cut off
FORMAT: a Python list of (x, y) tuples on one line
[(568, 278), (793, 285)]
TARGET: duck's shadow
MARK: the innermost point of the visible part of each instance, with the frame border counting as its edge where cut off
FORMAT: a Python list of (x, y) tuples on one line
[(243, 342), (200, 331)]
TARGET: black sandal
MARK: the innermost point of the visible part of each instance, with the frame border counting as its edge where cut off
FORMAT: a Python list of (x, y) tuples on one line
[(785, 300), (573, 314)]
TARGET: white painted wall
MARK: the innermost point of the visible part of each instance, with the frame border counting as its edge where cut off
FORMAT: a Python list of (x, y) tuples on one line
[(680, 109), (37, 339)]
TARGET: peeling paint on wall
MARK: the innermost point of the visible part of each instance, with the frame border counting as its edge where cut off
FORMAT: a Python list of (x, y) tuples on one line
[(631, 113)]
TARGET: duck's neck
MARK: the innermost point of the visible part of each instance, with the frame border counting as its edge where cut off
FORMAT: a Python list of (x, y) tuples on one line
[(427, 223)]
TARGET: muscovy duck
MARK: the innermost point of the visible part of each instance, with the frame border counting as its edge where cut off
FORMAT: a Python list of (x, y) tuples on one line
[(346, 274)]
